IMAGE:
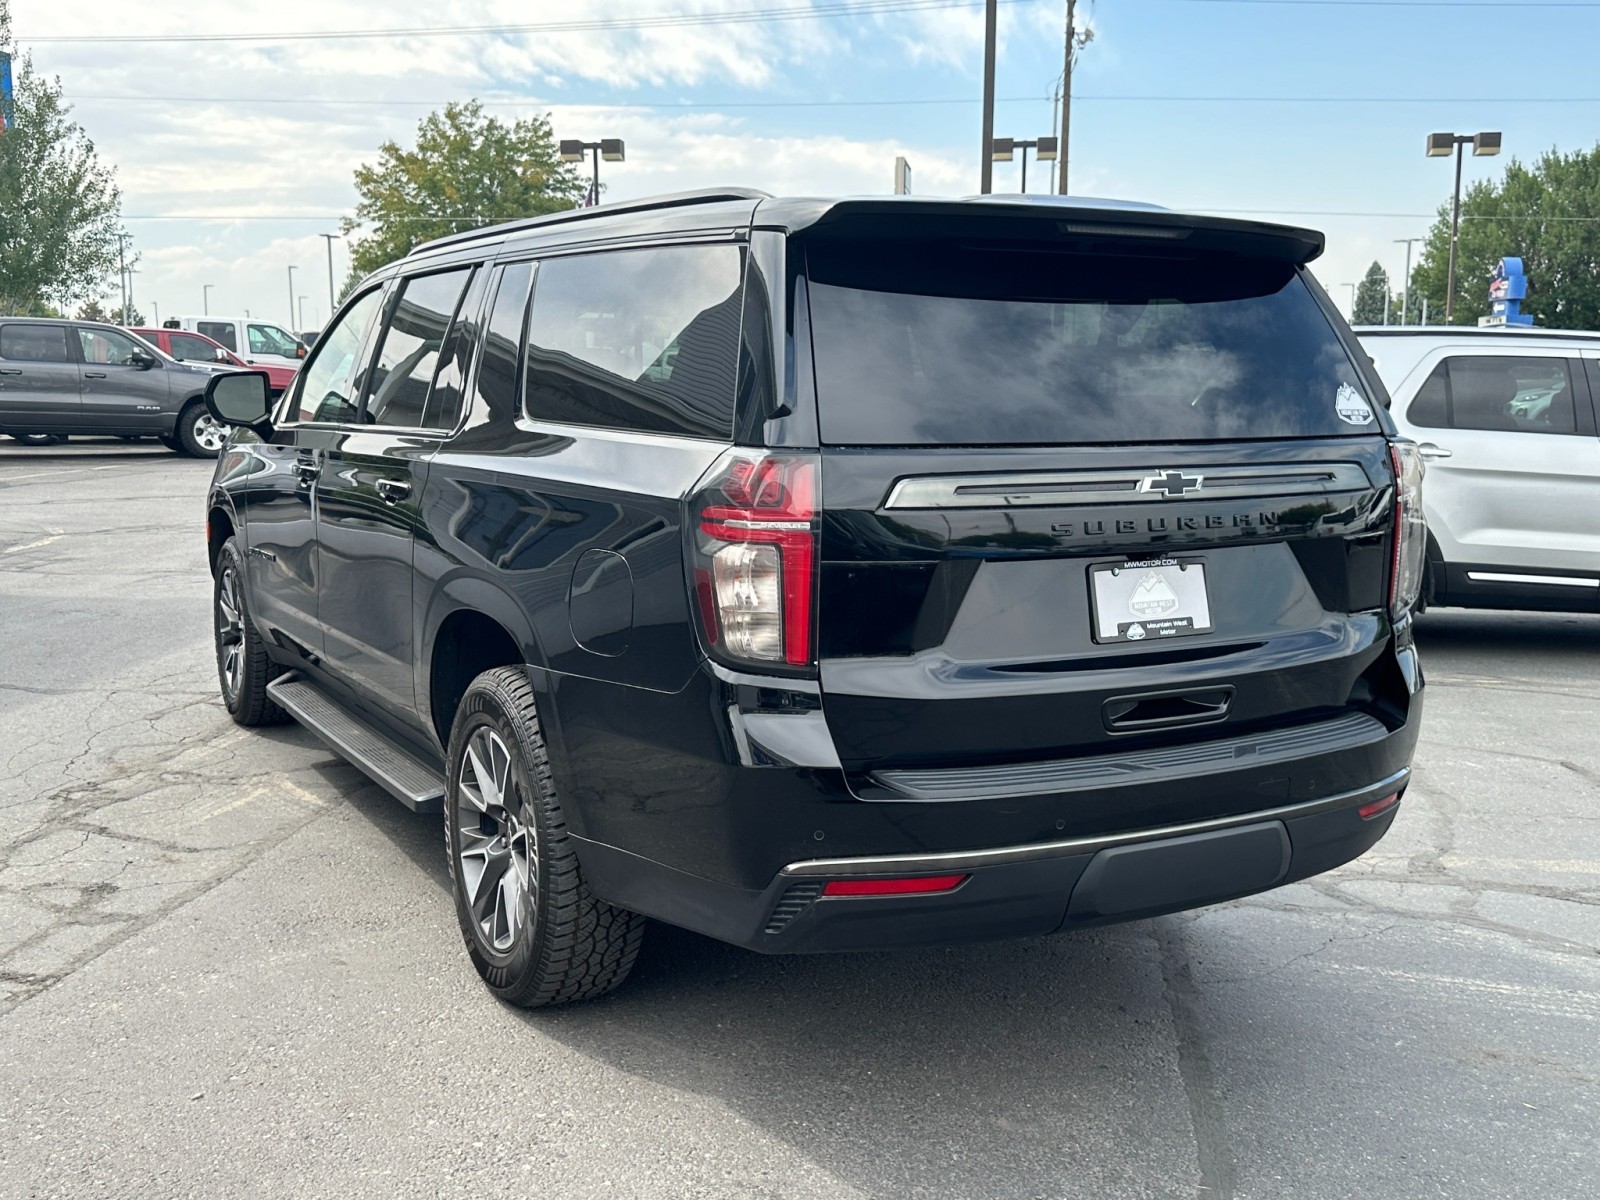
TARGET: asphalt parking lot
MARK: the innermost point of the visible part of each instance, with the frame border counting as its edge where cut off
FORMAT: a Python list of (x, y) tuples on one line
[(229, 966)]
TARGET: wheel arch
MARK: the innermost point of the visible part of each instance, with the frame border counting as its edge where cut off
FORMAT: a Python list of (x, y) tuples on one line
[(220, 526), (472, 627)]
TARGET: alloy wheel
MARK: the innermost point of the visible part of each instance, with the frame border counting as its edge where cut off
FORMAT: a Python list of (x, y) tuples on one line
[(230, 633), (495, 844), (210, 434)]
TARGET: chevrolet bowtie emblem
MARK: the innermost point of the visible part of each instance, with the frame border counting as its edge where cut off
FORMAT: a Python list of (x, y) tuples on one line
[(1172, 483)]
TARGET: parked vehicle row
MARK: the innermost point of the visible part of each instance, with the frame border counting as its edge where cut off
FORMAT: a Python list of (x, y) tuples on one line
[(198, 348), (61, 377), (835, 574)]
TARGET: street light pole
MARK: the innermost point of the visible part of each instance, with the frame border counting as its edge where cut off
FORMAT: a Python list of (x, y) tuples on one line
[(1405, 284), (986, 168), (1004, 149), (1439, 145), (329, 238), (1352, 288), (291, 295), (302, 315), (205, 299), (610, 149)]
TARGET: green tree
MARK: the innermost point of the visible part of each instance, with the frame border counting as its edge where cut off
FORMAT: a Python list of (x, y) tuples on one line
[(1544, 214), (61, 206), (1370, 297), (466, 170), (132, 317), (93, 311)]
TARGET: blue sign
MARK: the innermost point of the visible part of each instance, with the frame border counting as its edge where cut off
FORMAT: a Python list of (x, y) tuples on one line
[(7, 107), (1508, 288)]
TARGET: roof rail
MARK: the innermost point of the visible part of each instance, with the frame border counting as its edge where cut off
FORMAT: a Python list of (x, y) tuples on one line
[(643, 204)]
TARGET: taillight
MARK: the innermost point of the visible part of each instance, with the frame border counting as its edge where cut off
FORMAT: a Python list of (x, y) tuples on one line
[(756, 556), (1410, 529)]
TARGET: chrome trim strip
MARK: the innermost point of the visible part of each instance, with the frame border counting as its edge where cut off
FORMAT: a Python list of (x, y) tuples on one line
[(1058, 488), (1556, 580), (933, 864)]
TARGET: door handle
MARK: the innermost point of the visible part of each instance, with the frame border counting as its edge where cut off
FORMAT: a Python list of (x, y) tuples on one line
[(392, 491), (94, 374), (1429, 450), (10, 371), (307, 469)]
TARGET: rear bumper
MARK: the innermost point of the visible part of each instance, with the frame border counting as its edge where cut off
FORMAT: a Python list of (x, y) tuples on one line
[(1010, 891)]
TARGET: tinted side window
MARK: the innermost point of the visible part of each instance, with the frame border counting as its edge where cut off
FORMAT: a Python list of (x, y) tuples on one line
[(444, 401), (1430, 408), (645, 340), (219, 331), (502, 346), (1526, 395), (188, 348), (409, 355), (325, 389), (34, 343)]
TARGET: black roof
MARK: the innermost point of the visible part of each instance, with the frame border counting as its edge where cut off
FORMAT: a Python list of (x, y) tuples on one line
[(879, 215)]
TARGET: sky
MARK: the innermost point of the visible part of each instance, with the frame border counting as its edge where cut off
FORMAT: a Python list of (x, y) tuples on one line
[(234, 156)]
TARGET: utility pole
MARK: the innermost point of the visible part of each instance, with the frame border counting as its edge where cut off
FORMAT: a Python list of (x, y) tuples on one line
[(122, 272), (1066, 102), (329, 238), (1405, 284), (986, 164)]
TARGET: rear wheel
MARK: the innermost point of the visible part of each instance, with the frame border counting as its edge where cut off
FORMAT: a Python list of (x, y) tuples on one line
[(534, 931), (199, 434), (243, 668), (39, 439)]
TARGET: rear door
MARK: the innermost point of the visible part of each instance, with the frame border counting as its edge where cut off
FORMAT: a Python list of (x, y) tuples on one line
[(370, 487), (118, 393), (1087, 494), (39, 387), (1513, 460)]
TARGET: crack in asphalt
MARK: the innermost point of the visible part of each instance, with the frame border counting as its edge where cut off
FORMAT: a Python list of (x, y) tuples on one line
[(1219, 1177)]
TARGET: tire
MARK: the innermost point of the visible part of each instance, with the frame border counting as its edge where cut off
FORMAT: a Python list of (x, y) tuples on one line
[(198, 434), (534, 931), (39, 439), (243, 668)]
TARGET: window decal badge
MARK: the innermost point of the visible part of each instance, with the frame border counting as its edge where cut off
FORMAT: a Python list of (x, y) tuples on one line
[(1351, 406)]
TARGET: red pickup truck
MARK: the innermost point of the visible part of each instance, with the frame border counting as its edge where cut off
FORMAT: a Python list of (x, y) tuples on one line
[(197, 347)]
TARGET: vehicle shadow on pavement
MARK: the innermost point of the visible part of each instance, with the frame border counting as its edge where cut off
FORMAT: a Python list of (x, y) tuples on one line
[(917, 1072), (1522, 634)]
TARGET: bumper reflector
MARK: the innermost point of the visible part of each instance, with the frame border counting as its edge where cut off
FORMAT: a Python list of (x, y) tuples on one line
[(916, 885), (1378, 807)]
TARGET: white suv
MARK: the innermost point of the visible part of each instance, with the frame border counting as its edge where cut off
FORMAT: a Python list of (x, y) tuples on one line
[(1507, 423)]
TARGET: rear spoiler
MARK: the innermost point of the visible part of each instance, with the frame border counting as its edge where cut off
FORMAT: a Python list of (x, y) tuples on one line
[(1039, 219)]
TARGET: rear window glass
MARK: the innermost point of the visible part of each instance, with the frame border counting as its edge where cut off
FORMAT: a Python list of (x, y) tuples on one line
[(1009, 344)]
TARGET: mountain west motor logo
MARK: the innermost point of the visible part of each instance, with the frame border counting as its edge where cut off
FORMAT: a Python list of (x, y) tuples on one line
[(1152, 597)]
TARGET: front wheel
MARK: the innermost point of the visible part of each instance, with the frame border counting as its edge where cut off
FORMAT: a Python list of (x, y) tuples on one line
[(243, 668), (533, 930), (39, 439), (199, 434)]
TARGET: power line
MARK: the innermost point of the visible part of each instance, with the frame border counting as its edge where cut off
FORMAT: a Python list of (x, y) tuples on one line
[(1098, 98), (803, 12)]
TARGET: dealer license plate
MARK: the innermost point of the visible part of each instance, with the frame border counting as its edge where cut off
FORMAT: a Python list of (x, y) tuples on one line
[(1148, 599)]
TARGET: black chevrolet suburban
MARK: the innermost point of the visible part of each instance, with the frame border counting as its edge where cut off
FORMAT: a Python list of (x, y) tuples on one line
[(835, 574)]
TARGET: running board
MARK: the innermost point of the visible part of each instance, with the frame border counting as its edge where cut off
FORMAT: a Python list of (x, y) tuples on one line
[(415, 784)]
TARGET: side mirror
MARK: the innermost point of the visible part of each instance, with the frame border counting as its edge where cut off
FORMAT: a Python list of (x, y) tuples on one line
[(142, 359), (220, 354), (242, 398), (300, 350)]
